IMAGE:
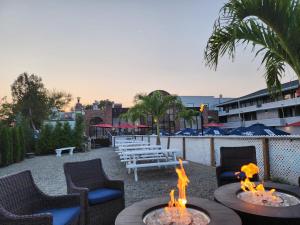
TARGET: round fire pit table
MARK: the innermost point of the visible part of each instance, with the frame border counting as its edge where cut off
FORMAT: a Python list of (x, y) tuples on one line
[(251, 213), (217, 214)]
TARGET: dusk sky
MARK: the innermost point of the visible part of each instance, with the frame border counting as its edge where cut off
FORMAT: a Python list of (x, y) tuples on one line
[(113, 49)]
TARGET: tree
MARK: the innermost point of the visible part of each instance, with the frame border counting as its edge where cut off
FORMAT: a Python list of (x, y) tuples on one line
[(188, 116), (6, 111), (5, 145), (271, 25), (30, 98), (156, 105), (133, 114), (67, 136), (16, 144), (57, 136), (46, 141), (59, 99), (78, 132)]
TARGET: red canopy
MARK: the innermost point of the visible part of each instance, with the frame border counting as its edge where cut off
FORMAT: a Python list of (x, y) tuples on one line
[(142, 126), (125, 126), (103, 125), (214, 125), (297, 124)]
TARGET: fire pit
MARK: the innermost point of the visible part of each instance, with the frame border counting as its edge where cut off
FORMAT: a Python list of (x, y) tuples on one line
[(261, 203), (180, 211), (212, 212)]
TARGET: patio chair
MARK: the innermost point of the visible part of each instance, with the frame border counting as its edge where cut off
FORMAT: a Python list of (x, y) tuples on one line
[(22, 203), (231, 161), (102, 199)]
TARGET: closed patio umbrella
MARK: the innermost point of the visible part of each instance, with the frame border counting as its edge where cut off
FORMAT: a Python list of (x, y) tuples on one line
[(261, 130)]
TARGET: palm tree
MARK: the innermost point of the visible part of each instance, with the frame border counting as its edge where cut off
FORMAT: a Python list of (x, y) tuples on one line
[(271, 25), (133, 114), (156, 105), (188, 116)]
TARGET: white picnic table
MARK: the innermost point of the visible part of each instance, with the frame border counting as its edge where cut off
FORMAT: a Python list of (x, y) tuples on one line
[(138, 147), (157, 158)]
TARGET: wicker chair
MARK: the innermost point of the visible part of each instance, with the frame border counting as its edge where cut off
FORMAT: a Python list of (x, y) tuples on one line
[(232, 159), (22, 203), (102, 199)]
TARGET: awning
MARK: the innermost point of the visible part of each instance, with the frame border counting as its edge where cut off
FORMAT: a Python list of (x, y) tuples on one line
[(213, 125), (103, 125), (296, 124), (142, 126), (125, 126)]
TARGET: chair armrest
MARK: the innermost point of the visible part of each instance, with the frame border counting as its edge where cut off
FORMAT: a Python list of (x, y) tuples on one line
[(8, 218), (116, 184), (60, 201), (219, 170)]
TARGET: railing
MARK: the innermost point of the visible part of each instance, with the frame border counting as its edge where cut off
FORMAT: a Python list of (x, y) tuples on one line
[(264, 106), (278, 157)]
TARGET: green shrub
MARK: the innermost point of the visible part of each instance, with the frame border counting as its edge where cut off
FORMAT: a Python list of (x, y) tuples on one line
[(78, 132), (67, 138), (45, 144), (57, 136), (5, 146), (16, 145), (22, 143)]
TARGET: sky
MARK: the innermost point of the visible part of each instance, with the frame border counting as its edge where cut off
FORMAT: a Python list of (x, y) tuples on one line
[(113, 49)]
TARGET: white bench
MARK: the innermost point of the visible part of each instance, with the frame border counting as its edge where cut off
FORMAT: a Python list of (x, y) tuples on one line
[(60, 150), (152, 164)]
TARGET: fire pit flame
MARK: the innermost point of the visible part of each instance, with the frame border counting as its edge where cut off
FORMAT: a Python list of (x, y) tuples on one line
[(182, 183), (257, 194), (176, 212)]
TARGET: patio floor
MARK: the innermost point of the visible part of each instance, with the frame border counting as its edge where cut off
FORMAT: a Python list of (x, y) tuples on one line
[(48, 174)]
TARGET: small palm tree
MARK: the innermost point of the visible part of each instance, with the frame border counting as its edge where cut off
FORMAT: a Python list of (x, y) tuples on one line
[(188, 116), (271, 25), (156, 105), (133, 115)]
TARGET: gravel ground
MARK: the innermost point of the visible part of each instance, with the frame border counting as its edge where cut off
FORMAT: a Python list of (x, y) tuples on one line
[(48, 174)]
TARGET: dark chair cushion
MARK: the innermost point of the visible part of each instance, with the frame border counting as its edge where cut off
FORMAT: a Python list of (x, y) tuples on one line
[(103, 195), (230, 175), (63, 216)]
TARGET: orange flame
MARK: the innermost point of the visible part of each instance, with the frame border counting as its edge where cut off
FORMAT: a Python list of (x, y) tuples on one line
[(246, 185), (182, 183)]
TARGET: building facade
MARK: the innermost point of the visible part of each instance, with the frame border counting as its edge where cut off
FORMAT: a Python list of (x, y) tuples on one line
[(261, 107)]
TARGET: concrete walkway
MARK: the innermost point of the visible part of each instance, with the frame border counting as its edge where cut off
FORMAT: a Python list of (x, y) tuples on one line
[(48, 174)]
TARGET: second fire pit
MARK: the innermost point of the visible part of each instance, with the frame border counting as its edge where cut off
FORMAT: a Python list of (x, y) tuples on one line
[(285, 211)]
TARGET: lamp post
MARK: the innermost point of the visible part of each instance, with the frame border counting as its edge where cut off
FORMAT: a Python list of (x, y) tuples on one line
[(202, 106)]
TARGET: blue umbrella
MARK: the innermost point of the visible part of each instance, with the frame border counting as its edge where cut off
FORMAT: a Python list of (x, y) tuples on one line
[(237, 131), (187, 132), (164, 133), (214, 131), (261, 129)]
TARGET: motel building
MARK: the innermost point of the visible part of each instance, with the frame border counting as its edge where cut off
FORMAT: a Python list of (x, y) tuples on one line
[(282, 112)]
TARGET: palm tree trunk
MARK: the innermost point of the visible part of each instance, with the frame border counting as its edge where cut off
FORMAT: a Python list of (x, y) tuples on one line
[(158, 134)]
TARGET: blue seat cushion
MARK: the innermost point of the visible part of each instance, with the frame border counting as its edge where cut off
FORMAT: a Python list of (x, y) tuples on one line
[(63, 216), (230, 175), (103, 195)]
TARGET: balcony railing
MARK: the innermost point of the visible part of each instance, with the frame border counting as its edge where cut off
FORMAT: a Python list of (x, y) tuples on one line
[(265, 106)]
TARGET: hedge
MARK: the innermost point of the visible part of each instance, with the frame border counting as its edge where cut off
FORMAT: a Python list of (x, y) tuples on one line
[(12, 145), (60, 136)]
